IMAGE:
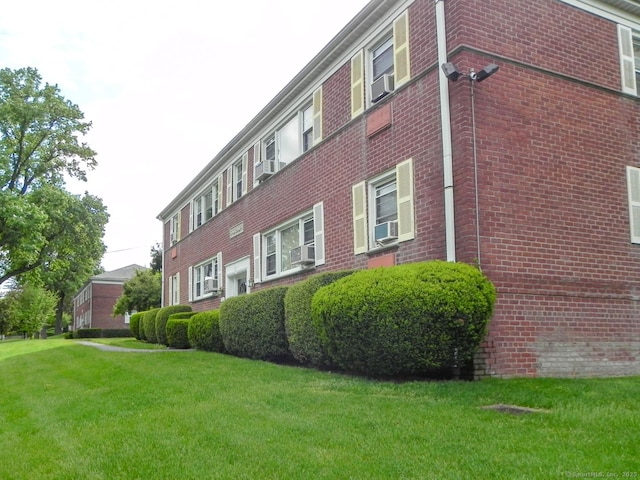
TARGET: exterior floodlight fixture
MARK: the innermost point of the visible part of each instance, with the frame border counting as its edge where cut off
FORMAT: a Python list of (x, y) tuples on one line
[(451, 71), (453, 74), (485, 73)]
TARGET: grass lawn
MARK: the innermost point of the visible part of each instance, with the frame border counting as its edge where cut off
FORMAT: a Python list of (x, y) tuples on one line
[(69, 411)]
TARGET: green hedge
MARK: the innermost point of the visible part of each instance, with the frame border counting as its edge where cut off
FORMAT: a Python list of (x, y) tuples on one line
[(87, 333), (407, 319), (252, 325), (134, 324), (177, 328), (303, 334), (204, 331), (149, 322), (161, 320), (116, 332)]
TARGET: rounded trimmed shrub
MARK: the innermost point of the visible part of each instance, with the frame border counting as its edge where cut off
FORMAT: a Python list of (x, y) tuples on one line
[(252, 325), (149, 321), (407, 319), (134, 324), (204, 331), (177, 329), (303, 333), (161, 320)]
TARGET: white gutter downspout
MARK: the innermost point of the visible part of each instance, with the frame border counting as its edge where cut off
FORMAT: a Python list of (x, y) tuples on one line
[(445, 119)]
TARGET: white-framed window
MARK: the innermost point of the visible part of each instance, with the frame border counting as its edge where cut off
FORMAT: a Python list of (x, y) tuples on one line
[(383, 209), (205, 279), (300, 132), (174, 289), (273, 248), (629, 48), (385, 63), (206, 204), (237, 179), (174, 229)]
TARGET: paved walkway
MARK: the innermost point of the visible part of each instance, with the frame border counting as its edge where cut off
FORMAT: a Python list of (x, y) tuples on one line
[(113, 348)]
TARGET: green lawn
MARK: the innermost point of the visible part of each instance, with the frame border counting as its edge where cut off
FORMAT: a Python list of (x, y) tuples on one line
[(69, 411)]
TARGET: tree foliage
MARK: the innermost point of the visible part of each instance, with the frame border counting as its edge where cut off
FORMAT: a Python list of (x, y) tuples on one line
[(156, 258), (140, 293), (31, 308), (39, 220), (39, 132)]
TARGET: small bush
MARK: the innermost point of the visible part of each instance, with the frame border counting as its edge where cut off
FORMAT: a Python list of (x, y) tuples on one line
[(116, 332), (407, 319), (134, 324), (252, 325), (303, 334), (68, 335), (87, 333), (177, 336), (204, 331), (161, 320), (149, 321)]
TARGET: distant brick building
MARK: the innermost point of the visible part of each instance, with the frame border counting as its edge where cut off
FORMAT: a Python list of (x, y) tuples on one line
[(392, 146), (93, 304)]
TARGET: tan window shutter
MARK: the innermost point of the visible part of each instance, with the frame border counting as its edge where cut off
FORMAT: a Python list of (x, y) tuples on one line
[(401, 67), (190, 286), (360, 235), (318, 231), (220, 276), (179, 226), (177, 288), (220, 188), (229, 185), (245, 163), (357, 84), (404, 185), (257, 260), (633, 191), (317, 115), (627, 62)]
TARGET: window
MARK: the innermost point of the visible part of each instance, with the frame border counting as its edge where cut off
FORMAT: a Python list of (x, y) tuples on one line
[(174, 229), (237, 179), (297, 135), (174, 289), (382, 59), (206, 205), (629, 47), (279, 243), (272, 250), (205, 279), (388, 215)]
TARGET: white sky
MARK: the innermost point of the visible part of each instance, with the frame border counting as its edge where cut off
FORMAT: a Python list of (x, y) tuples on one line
[(167, 84)]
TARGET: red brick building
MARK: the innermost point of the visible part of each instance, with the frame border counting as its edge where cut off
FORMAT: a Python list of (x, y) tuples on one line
[(401, 141), (93, 304)]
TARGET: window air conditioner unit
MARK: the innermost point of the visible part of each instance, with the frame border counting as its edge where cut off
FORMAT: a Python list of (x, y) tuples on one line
[(386, 232), (264, 169), (173, 238), (303, 255), (381, 87), (210, 285)]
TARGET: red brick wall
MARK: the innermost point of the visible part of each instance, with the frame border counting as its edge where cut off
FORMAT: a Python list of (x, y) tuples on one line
[(103, 298), (553, 138)]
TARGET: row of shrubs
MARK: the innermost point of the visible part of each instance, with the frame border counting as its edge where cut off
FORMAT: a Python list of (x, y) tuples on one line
[(99, 333), (407, 319)]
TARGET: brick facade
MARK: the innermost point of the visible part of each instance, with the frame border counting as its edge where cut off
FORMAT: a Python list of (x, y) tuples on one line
[(553, 137)]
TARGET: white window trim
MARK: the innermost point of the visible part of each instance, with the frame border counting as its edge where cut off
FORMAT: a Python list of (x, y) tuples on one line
[(363, 211), (633, 195), (259, 245), (217, 259)]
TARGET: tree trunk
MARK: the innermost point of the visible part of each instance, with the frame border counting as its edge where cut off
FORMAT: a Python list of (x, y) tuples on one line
[(59, 312)]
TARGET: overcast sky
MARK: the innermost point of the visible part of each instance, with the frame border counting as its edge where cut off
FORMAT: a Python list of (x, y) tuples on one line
[(167, 84)]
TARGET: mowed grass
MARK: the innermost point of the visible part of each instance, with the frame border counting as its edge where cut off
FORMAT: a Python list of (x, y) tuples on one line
[(69, 411)]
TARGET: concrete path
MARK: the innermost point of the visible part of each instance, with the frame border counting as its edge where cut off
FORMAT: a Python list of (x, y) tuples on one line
[(112, 348)]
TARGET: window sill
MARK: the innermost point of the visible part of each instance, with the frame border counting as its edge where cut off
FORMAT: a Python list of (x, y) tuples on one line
[(383, 248), (288, 273)]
